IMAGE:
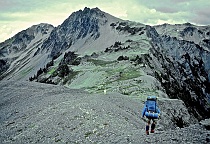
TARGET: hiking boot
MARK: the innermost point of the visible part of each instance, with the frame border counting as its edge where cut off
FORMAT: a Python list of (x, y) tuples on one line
[(147, 132), (153, 128)]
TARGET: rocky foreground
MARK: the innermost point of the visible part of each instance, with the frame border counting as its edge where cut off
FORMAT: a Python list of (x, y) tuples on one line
[(38, 113)]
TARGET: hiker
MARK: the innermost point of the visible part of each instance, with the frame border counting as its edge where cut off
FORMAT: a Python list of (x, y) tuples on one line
[(152, 112)]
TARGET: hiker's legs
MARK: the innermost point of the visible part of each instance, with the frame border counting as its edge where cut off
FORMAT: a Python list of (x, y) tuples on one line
[(153, 126), (147, 126)]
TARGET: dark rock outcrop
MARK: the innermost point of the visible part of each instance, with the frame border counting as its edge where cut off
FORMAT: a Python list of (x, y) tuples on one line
[(3, 66), (77, 26), (182, 69), (20, 46)]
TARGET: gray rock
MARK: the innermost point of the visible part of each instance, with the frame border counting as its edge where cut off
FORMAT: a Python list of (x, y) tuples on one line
[(174, 114), (205, 123)]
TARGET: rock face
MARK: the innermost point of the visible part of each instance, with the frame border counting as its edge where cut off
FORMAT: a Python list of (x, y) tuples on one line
[(174, 114), (79, 25), (182, 69), (39, 113), (23, 50), (4, 65), (21, 40)]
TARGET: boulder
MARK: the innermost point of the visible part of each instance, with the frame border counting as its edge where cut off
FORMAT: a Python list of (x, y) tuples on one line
[(205, 123), (174, 114)]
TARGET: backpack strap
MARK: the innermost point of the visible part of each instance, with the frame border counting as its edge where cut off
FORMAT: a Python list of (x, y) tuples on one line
[(155, 105)]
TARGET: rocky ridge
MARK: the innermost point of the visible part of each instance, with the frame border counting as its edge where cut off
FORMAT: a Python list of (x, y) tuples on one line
[(39, 113), (19, 54), (181, 69)]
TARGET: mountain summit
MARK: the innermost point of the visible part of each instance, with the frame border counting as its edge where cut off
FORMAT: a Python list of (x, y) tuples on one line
[(79, 29)]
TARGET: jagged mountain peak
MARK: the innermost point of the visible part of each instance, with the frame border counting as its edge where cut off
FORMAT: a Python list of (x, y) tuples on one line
[(82, 25), (88, 14), (83, 19), (85, 12), (96, 9), (23, 38), (44, 25), (34, 29)]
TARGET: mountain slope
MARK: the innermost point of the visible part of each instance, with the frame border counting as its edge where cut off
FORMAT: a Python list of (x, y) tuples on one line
[(38, 113), (182, 68), (19, 54), (197, 35)]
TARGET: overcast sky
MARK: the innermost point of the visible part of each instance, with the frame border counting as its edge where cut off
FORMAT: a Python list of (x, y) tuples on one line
[(17, 15)]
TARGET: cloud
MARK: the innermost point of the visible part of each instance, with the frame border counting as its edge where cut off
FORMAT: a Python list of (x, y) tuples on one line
[(201, 16), (200, 13), (166, 9), (21, 14)]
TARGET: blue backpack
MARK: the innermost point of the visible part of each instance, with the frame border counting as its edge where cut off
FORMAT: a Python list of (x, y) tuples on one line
[(151, 107), (151, 103)]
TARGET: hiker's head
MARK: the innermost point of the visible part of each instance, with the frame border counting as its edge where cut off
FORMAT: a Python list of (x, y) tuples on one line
[(152, 98)]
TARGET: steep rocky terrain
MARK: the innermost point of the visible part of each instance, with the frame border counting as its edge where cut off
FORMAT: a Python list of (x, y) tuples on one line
[(182, 69), (39, 113), (19, 55)]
